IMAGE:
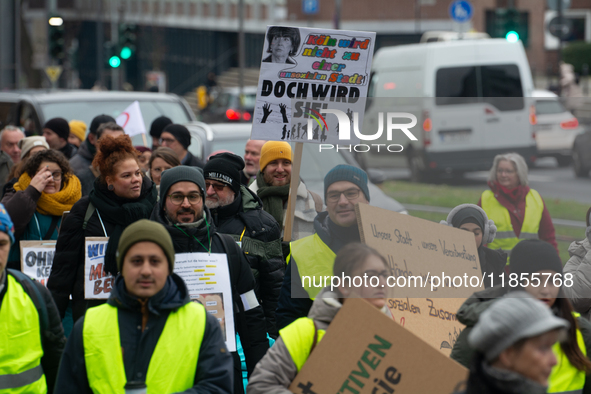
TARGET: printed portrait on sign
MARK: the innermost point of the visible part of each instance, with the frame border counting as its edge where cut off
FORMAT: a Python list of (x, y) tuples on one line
[(283, 43)]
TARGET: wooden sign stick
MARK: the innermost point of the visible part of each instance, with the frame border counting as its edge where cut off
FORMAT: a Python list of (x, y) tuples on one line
[(296, 164)]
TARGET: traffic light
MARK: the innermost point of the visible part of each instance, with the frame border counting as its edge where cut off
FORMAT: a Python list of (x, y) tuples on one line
[(56, 38), (127, 40), (508, 23), (112, 59)]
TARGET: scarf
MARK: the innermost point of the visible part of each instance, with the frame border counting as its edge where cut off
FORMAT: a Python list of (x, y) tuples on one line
[(54, 204), (91, 148), (273, 198), (122, 212), (514, 195)]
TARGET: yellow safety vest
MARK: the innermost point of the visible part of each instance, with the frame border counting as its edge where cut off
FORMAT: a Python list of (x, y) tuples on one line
[(565, 378), (20, 343), (315, 261), (174, 361), (299, 338), (505, 238)]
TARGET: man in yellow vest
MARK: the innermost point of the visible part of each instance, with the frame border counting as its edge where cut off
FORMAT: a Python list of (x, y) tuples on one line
[(344, 186), (32, 337), (149, 334)]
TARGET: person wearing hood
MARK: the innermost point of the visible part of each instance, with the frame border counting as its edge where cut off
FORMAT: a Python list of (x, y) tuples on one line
[(121, 196), (579, 266), (290, 352), (313, 256), (472, 218), (537, 265), (132, 340), (237, 211), (182, 211), (518, 211)]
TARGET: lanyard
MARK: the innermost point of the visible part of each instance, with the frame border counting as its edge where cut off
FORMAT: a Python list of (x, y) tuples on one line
[(102, 224), (38, 227), (208, 237)]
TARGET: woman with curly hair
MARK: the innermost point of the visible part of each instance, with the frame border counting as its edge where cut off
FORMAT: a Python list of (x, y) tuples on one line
[(121, 196), (46, 188)]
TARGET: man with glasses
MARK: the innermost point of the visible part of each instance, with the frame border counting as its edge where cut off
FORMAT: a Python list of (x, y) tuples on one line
[(178, 138), (237, 211), (189, 222), (313, 256)]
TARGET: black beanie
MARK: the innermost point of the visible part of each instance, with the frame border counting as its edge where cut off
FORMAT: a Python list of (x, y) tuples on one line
[(98, 121), (59, 126), (158, 125), (225, 167), (179, 132), (533, 255)]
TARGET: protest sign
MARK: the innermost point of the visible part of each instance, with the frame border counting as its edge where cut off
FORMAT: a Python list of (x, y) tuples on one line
[(431, 259), (97, 283), (37, 259), (208, 280), (363, 351), (327, 65)]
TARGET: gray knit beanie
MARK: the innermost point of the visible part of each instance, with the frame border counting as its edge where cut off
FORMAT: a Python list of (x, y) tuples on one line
[(181, 174), (344, 172), (516, 316)]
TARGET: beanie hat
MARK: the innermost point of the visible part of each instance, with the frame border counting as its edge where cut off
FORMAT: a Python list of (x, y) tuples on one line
[(470, 213), (28, 143), (180, 174), (145, 230), (509, 320), (273, 150), (225, 167), (59, 126), (158, 125), (6, 223), (98, 121), (533, 255), (179, 132), (345, 172), (78, 128)]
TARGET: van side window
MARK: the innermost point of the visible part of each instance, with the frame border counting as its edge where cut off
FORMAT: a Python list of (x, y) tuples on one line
[(455, 85), (502, 81)]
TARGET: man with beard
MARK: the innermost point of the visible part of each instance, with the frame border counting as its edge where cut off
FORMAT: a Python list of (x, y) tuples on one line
[(237, 211), (272, 186), (313, 256), (182, 212), (252, 155)]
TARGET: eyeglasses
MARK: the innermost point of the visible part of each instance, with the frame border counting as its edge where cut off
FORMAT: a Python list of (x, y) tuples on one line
[(350, 194), (179, 198), (508, 172), (216, 187), (167, 140), (57, 175)]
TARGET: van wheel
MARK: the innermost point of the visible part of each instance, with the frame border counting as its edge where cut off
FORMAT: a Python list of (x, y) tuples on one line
[(417, 175), (581, 171)]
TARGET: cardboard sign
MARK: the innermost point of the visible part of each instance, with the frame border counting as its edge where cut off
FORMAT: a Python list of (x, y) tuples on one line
[(297, 62), (97, 283), (208, 280), (37, 259), (363, 351), (426, 251)]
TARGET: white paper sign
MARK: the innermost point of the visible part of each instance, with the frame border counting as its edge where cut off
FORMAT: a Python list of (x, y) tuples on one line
[(329, 65), (97, 283), (208, 280), (131, 120), (37, 259)]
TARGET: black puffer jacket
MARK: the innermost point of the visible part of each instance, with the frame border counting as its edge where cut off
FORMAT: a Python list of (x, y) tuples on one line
[(259, 235), (67, 272), (214, 366), (250, 324)]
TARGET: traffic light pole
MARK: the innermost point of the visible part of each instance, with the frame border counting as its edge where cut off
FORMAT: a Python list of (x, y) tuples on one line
[(114, 40), (559, 57)]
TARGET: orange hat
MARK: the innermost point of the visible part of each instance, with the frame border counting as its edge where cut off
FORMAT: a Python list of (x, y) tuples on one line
[(273, 150)]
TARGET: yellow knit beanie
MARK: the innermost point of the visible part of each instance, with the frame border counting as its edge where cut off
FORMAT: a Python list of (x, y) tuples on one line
[(273, 150), (78, 128)]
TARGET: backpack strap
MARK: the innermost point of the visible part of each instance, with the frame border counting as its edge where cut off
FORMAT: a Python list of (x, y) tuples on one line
[(31, 289), (89, 211)]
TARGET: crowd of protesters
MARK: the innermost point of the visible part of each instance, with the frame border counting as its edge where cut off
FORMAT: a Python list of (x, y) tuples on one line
[(152, 204)]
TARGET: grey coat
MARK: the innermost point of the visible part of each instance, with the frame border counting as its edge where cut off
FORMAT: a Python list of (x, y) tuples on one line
[(5, 167), (579, 265)]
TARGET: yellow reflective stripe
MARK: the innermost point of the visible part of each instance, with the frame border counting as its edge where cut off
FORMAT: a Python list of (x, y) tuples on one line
[(299, 338), (20, 342), (173, 364), (315, 260)]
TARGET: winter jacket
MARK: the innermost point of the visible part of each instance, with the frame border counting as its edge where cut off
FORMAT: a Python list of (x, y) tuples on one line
[(294, 302), (81, 165), (214, 367), (69, 150), (579, 265), (259, 236), (5, 167), (53, 340), (250, 324), (470, 312), (492, 262), (192, 161), (67, 272), (275, 372)]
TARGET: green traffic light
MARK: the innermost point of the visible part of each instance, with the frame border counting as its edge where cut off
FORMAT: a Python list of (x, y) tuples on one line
[(512, 36), (125, 53), (114, 61)]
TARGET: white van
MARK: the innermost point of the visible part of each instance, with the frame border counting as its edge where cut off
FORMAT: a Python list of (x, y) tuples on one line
[(469, 99)]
